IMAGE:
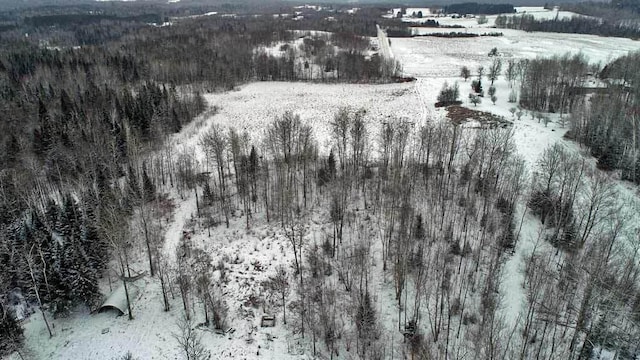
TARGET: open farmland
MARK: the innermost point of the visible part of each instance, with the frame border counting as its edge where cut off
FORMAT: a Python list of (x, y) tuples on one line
[(435, 57)]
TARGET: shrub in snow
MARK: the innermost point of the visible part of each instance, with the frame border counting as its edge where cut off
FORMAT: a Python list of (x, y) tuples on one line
[(465, 73), (127, 356), (476, 85), (189, 341), (474, 99), (469, 319)]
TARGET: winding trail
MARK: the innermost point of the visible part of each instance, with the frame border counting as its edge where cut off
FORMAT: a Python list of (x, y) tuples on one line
[(387, 53), (383, 41), (174, 232), (424, 108), (512, 277)]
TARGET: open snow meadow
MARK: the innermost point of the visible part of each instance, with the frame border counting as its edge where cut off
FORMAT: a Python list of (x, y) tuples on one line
[(435, 57), (243, 259)]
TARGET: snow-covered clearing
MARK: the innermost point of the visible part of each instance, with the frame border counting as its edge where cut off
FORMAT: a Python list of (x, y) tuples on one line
[(150, 334), (254, 106), (443, 57)]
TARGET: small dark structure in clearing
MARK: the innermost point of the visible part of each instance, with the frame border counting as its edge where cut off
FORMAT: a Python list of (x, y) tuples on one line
[(268, 321), (403, 79)]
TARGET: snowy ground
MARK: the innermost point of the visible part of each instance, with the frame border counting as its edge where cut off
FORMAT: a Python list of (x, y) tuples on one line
[(254, 106), (150, 334), (443, 57)]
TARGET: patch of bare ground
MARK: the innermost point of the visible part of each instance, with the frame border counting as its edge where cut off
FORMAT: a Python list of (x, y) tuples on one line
[(460, 115)]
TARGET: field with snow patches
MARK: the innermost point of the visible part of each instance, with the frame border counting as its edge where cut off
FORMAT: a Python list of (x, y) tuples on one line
[(254, 106), (443, 57), (250, 108)]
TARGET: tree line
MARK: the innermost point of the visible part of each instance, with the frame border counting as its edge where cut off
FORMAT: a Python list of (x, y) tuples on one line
[(573, 25), (476, 8), (608, 122)]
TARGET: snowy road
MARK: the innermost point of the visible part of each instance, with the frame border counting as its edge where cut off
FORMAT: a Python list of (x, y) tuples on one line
[(174, 232), (383, 41)]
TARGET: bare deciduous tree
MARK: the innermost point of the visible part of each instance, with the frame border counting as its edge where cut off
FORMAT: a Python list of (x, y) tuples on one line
[(189, 341)]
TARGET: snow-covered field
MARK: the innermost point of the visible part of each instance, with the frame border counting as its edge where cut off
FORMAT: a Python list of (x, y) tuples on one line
[(443, 57), (254, 106)]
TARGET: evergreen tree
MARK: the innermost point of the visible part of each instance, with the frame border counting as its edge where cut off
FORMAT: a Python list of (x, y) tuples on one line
[(102, 185), (19, 270), (95, 246), (84, 282), (418, 231), (252, 172), (253, 161), (68, 224), (366, 321), (147, 185), (119, 140), (61, 293), (10, 331), (331, 165), (133, 188), (78, 259), (176, 125), (12, 150), (42, 135), (51, 214), (66, 107)]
